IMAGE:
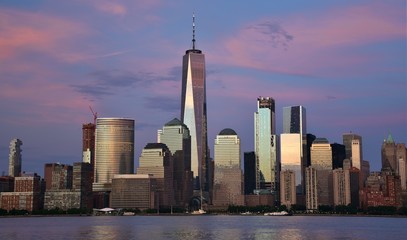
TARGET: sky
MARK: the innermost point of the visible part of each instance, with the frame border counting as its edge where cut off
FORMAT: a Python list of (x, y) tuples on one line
[(344, 61)]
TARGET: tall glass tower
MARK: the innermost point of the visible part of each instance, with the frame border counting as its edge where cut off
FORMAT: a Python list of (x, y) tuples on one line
[(193, 112), (265, 143), (114, 150)]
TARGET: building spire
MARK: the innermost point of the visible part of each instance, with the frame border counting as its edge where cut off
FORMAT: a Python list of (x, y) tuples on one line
[(193, 31)]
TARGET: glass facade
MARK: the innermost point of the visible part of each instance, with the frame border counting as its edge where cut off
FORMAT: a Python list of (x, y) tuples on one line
[(265, 143), (228, 177), (114, 148), (290, 150), (193, 114)]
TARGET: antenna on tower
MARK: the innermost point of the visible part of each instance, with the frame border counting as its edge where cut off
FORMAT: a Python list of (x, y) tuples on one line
[(95, 115), (193, 31)]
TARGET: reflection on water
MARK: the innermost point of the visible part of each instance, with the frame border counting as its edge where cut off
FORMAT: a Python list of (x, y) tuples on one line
[(202, 227)]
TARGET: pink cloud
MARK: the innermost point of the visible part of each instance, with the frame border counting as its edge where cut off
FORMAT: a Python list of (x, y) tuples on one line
[(314, 44), (24, 32)]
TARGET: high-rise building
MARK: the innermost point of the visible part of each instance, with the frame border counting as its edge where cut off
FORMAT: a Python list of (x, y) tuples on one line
[(311, 189), (176, 136), (290, 155), (294, 120), (14, 167), (353, 149), (193, 112), (321, 161), (338, 155), (265, 143), (88, 142), (341, 187), (394, 157), (114, 153), (249, 172), (58, 176), (156, 159), (287, 188), (228, 177)]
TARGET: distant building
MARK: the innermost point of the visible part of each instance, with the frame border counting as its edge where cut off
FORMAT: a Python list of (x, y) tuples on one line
[(394, 157), (353, 149), (194, 113), (341, 187), (288, 188), (65, 192), (88, 142), (27, 194), (6, 184), (338, 155), (265, 143), (228, 177), (321, 161), (15, 157), (134, 191), (311, 189), (58, 176), (114, 153), (291, 159), (176, 136), (249, 172), (156, 160), (382, 189)]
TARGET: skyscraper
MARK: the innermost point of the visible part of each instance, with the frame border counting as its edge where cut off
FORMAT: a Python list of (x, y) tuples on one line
[(394, 157), (156, 159), (353, 149), (321, 161), (114, 150), (88, 143), (294, 120), (228, 177), (176, 136), (249, 172), (14, 167), (265, 143), (193, 111)]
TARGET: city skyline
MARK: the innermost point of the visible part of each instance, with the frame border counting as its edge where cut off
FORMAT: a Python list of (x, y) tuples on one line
[(344, 62)]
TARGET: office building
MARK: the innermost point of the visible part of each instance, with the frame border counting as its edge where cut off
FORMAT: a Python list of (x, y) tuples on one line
[(341, 187), (338, 155), (321, 161), (88, 142), (194, 114), (290, 154), (228, 177), (114, 153), (265, 144), (288, 188), (311, 189), (353, 149), (134, 191), (394, 157), (14, 157), (156, 160), (176, 136), (249, 172)]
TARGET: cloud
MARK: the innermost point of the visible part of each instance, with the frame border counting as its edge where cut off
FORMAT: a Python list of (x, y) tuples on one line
[(317, 44), (168, 104)]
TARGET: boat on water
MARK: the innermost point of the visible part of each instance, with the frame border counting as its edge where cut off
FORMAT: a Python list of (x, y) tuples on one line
[(129, 214), (199, 212), (246, 213), (282, 213)]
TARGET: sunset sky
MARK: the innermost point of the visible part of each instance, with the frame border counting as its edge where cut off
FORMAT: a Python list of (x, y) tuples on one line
[(344, 61)]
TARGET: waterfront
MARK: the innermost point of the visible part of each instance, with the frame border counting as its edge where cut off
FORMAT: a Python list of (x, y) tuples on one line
[(203, 227)]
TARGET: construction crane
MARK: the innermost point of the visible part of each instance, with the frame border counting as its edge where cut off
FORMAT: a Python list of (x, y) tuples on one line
[(95, 115)]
